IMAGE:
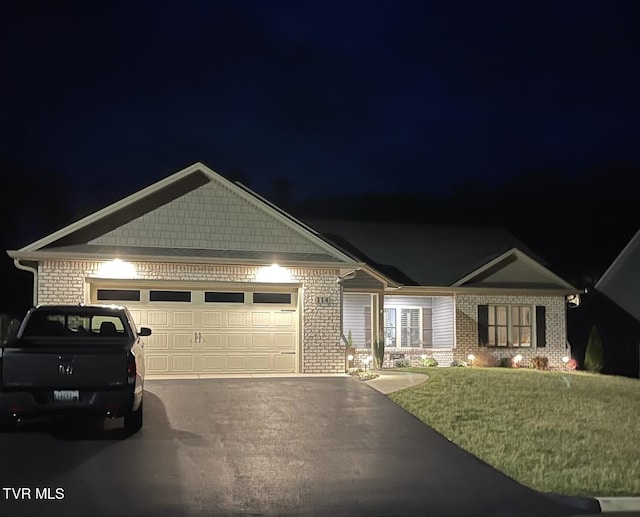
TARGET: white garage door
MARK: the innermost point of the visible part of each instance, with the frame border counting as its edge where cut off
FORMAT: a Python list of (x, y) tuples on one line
[(198, 331)]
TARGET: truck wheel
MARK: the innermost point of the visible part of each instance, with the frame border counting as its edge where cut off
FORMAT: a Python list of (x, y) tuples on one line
[(133, 421)]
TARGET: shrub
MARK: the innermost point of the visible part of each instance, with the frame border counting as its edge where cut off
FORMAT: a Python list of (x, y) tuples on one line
[(429, 362), (458, 362), (539, 363), (593, 356), (402, 363), (572, 364)]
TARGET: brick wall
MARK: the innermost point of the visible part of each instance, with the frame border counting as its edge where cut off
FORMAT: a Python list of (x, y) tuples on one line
[(467, 328), (322, 351)]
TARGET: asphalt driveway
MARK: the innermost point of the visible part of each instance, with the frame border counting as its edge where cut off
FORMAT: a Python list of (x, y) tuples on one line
[(288, 446)]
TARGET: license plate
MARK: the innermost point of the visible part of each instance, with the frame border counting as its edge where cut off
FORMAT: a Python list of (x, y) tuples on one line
[(66, 395)]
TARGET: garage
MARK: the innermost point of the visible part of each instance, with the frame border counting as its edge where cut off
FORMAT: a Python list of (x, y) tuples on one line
[(233, 328)]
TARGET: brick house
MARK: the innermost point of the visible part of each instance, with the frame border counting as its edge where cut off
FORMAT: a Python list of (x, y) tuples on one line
[(230, 283)]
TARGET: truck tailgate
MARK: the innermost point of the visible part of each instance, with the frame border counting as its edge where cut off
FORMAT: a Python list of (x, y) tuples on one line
[(77, 367)]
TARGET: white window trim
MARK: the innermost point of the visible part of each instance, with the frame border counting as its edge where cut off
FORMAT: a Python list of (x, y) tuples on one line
[(398, 309)]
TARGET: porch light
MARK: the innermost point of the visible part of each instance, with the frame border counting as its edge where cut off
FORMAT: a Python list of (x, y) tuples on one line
[(117, 268), (273, 274)]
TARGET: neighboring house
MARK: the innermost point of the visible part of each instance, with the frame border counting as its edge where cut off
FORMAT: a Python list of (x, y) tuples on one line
[(621, 282), (230, 283)]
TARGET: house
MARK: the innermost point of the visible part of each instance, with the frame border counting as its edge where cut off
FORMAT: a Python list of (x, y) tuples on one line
[(230, 283), (621, 281)]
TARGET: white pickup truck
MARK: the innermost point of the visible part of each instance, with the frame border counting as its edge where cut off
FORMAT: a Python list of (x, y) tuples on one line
[(74, 359)]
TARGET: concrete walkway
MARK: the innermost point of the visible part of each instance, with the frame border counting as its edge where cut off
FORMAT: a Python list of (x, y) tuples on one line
[(390, 381)]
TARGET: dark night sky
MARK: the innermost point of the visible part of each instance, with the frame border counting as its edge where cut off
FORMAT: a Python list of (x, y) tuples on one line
[(336, 96)]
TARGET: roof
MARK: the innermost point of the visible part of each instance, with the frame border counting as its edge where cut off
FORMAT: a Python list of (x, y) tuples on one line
[(433, 255), (621, 281)]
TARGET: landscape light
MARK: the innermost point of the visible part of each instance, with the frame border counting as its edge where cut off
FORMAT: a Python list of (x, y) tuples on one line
[(565, 359), (517, 359), (423, 356), (471, 358)]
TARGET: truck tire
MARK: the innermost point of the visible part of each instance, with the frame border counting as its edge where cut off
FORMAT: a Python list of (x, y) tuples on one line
[(133, 421)]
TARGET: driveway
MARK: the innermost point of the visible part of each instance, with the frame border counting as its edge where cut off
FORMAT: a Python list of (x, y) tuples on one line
[(284, 446)]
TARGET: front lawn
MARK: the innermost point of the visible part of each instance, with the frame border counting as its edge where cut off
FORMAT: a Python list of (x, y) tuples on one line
[(566, 432)]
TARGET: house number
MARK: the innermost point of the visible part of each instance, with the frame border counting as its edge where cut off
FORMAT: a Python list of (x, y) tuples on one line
[(324, 300)]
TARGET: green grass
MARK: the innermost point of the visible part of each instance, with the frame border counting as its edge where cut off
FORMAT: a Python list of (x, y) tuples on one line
[(567, 432)]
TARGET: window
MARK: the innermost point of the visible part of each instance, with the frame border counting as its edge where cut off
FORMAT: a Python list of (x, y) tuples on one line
[(222, 297), (125, 295), (509, 325), (170, 296), (283, 298), (403, 327)]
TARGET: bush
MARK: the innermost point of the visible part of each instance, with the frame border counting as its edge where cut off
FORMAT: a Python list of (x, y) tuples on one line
[(458, 362), (593, 356), (429, 362), (402, 363), (539, 363)]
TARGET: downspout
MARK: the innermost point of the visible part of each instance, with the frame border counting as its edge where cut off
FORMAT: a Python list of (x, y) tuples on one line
[(34, 272)]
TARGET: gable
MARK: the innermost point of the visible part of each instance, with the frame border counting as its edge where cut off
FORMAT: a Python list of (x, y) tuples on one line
[(210, 217), (514, 269), (192, 214)]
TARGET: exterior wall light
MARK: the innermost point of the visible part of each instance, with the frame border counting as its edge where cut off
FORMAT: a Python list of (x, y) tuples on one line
[(117, 268), (273, 274)]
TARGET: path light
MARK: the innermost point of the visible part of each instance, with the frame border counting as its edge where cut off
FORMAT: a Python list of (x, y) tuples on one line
[(471, 358), (565, 360)]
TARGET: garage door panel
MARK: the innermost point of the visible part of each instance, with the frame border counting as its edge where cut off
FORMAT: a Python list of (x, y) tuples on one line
[(236, 341), (212, 363), (183, 319), (261, 340), (182, 341), (284, 341), (236, 362), (260, 319), (136, 315), (237, 319), (158, 340), (157, 318), (284, 363), (212, 319), (157, 363), (283, 319), (182, 363), (260, 363), (212, 341)]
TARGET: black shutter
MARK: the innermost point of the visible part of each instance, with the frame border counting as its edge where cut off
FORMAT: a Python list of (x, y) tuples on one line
[(483, 325), (541, 326)]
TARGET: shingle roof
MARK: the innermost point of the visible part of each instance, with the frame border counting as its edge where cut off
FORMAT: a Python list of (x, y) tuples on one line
[(418, 254)]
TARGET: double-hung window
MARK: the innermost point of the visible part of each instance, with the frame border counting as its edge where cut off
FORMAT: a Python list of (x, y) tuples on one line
[(403, 327), (509, 325)]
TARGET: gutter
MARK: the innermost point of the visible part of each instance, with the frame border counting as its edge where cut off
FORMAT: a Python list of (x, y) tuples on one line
[(34, 272)]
